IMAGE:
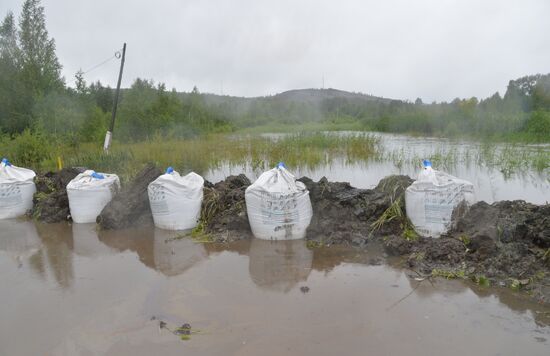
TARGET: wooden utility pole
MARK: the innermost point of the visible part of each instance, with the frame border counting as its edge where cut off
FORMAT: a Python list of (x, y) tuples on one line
[(109, 134)]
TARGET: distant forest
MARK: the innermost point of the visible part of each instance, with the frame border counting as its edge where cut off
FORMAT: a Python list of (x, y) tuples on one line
[(36, 100)]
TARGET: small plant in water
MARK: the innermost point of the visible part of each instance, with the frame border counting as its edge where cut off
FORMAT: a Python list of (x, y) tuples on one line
[(184, 331), (311, 244), (481, 280), (517, 284), (449, 274), (198, 234)]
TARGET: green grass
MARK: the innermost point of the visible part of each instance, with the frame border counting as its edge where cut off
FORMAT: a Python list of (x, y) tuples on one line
[(449, 274), (307, 150), (306, 127), (507, 158), (301, 149)]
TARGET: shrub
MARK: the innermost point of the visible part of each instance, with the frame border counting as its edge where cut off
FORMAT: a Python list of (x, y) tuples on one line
[(30, 148), (538, 124)]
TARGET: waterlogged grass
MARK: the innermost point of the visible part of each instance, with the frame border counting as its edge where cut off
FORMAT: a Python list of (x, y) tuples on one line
[(307, 150), (306, 127), (201, 154), (507, 158)]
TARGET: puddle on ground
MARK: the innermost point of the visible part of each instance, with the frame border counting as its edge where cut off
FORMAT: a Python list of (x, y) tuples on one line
[(69, 290)]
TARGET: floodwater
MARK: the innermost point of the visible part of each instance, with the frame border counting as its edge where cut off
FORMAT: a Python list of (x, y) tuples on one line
[(69, 290), (403, 154)]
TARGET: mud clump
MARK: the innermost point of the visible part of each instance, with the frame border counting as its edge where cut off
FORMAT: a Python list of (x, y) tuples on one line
[(130, 207), (50, 202), (223, 213), (507, 242), (343, 214), (507, 221)]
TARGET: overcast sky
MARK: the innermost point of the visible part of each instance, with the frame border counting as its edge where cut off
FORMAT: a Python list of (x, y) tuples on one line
[(403, 49)]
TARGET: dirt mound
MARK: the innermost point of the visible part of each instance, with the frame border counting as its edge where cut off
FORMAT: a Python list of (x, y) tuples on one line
[(50, 202), (501, 234), (506, 243), (507, 221), (130, 207), (341, 213), (344, 214), (223, 210)]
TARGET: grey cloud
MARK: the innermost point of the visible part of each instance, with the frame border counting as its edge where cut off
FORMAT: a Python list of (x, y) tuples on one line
[(436, 50)]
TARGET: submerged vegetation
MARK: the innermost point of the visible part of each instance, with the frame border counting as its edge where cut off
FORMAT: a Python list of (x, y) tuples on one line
[(200, 154), (256, 153)]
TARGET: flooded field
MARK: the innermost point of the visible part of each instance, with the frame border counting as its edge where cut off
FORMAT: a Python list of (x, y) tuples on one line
[(498, 171), (69, 290)]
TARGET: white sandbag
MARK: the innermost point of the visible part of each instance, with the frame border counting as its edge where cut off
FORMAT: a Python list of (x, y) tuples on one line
[(430, 200), (16, 190), (278, 206), (175, 200), (88, 194)]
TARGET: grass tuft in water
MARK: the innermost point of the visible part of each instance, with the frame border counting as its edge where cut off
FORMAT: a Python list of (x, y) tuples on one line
[(481, 280), (449, 274)]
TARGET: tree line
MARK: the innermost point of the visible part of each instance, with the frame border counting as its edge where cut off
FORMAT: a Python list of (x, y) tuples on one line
[(35, 100), (34, 96)]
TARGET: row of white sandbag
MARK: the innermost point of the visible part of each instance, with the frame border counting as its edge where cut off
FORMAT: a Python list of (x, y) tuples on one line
[(278, 205), (175, 200), (88, 192)]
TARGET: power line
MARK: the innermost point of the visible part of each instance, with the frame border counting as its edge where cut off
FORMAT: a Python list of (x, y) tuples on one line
[(116, 55)]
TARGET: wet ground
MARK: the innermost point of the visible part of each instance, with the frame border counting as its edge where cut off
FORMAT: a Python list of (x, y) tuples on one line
[(402, 154), (69, 290)]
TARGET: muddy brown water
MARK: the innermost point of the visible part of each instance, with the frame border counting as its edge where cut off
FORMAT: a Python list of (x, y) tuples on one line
[(69, 290)]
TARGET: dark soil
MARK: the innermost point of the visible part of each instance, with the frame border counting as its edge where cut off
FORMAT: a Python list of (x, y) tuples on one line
[(506, 243), (130, 207), (224, 209), (50, 202), (343, 214)]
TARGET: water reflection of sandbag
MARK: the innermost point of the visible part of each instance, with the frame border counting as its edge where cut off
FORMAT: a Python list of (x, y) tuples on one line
[(279, 265), (174, 255), (176, 200), (430, 200), (278, 206), (19, 238), (137, 240), (16, 190), (88, 194), (86, 241)]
